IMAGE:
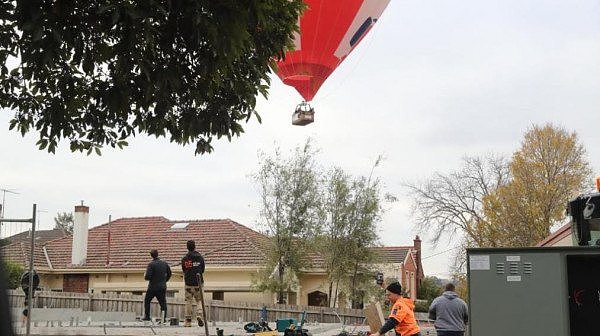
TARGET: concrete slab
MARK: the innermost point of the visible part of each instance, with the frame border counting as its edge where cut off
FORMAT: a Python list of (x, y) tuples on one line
[(230, 328)]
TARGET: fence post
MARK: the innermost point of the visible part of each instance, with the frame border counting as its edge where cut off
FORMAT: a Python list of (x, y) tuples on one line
[(90, 305)]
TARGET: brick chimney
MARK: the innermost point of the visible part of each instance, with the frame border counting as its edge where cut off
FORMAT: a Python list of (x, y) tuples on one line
[(417, 244), (417, 248), (80, 234)]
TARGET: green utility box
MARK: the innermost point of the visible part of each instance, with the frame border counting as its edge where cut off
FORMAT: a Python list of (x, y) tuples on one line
[(545, 291), (283, 324)]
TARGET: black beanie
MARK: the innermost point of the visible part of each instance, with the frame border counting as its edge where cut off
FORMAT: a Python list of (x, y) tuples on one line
[(395, 288)]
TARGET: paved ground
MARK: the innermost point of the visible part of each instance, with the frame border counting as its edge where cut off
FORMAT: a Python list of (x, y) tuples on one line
[(230, 328)]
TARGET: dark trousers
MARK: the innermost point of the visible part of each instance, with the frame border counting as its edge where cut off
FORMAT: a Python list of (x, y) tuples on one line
[(449, 333), (160, 296)]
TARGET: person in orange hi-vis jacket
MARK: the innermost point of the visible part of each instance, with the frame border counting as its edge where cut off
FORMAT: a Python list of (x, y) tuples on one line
[(402, 317)]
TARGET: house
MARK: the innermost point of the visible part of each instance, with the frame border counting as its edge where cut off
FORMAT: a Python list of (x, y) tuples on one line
[(561, 237), (112, 258), (403, 263), (18, 246)]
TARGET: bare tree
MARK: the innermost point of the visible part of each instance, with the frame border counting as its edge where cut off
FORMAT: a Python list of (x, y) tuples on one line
[(452, 204)]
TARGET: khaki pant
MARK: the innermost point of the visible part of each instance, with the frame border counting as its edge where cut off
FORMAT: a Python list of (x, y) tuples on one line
[(192, 294)]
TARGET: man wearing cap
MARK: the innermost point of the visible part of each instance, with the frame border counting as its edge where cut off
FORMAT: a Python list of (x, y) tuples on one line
[(402, 316)]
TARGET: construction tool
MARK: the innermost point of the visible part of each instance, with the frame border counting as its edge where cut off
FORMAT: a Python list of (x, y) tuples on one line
[(201, 289)]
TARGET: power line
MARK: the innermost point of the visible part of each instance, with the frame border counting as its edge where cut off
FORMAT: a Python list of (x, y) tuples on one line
[(448, 250)]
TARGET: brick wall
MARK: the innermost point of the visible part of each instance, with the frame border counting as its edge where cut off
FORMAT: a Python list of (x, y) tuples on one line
[(78, 283)]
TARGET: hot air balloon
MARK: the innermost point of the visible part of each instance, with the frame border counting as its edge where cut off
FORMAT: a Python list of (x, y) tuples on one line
[(329, 31)]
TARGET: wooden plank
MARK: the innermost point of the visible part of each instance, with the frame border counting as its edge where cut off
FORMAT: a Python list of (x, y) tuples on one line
[(374, 316)]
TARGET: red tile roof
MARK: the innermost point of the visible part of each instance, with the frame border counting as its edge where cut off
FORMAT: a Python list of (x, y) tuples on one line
[(393, 254), (222, 242), (18, 249)]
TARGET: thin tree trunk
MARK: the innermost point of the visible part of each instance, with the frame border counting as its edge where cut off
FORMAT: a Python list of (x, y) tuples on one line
[(280, 292)]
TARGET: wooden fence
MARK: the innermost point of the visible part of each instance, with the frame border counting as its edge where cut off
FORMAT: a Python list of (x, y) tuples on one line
[(221, 311)]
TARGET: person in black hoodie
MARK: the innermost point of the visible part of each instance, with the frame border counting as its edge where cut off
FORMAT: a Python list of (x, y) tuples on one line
[(193, 268), (157, 273)]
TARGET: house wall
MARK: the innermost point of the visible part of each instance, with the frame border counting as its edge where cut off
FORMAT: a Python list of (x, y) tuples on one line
[(406, 274), (53, 282), (233, 285), (409, 279), (310, 283), (565, 241)]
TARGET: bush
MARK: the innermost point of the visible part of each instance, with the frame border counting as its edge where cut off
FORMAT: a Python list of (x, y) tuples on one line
[(12, 273), (422, 306)]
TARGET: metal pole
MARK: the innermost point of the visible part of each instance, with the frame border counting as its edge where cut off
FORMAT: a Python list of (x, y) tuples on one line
[(4, 191), (3, 201), (31, 289)]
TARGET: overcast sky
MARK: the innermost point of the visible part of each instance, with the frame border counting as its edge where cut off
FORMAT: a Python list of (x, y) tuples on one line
[(432, 82)]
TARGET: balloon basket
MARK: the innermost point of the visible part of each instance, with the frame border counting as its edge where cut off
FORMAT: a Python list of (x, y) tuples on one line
[(303, 115)]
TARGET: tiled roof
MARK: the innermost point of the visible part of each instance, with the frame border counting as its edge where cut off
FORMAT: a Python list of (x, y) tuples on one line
[(41, 236), (393, 254), (18, 249), (386, 255), (222, 242)]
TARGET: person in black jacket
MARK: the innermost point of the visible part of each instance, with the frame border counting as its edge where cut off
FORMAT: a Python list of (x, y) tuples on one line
[(193, 268), (157, 273)]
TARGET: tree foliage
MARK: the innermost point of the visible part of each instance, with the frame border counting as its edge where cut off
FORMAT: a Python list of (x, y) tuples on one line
[(547, 171), (493, 202), (12, 274), (64, 221), (96, 73), (353, 207), (461, 283), (430, 288), (290, 213)]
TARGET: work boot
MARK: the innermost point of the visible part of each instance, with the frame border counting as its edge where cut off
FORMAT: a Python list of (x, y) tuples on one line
[(188, 322), (200, 322)]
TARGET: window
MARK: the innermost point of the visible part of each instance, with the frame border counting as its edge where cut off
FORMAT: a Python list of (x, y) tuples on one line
[(218, 295), (179, 226)]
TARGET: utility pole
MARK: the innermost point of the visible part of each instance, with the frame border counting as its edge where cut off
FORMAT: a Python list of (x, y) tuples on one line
[(30, 293)]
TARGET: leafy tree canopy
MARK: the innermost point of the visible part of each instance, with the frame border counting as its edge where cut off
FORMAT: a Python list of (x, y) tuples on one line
[(548, 170), (96, 73), (430, 288), (64, 221), (290, 212), (494, 202), (12, 273)]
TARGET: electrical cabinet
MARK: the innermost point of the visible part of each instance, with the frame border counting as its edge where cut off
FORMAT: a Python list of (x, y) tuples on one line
[(543, 291)]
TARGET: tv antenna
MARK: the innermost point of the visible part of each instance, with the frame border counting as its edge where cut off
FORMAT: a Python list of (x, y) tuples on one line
[(3, 205)]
